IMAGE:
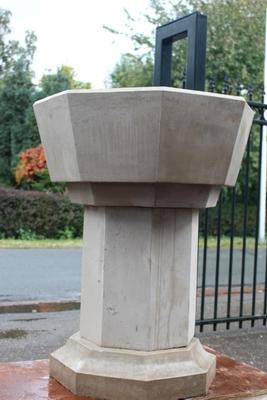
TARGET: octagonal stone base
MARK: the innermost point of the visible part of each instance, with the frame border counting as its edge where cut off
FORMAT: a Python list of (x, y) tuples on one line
[(108, 373)]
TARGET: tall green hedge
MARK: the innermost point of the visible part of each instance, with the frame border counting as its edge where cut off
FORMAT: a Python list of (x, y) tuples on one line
[(41, 214), (225, 224), (25, 213)]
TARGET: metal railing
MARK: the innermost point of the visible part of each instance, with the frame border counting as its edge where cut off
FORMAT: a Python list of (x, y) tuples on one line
[(231, 286), (239, 298)]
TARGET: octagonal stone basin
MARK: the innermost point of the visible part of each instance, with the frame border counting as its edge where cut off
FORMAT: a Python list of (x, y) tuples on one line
[(154, 136)]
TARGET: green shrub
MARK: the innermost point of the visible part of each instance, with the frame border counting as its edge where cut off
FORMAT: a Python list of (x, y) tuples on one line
[(226, 220), (30, 215), (33, 214)]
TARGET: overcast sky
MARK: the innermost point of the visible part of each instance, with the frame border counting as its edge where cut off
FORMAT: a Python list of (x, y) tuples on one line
[(70, 32)]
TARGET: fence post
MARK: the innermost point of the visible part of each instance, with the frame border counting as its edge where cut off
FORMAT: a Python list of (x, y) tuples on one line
[(262, 205)]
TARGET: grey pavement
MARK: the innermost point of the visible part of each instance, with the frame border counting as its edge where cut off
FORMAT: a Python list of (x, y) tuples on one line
[(34, 336), (47, 274), (246, 345)]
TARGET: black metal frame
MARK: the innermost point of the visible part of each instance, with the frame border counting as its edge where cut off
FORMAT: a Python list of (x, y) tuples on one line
[(194, 27)]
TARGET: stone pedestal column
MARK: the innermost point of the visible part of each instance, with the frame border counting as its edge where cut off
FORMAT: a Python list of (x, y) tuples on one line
[(139, 277), (138, 294), (142, 162)]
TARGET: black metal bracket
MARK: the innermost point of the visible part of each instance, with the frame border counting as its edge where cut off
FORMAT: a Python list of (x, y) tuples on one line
[(194, 27)]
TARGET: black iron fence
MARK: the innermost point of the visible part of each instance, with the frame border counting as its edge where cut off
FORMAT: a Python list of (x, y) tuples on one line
[(232, 272), (232, 268)]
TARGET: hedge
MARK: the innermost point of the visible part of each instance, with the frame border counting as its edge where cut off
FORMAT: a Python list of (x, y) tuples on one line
[(225, 226), (33, 214), (40, 214)]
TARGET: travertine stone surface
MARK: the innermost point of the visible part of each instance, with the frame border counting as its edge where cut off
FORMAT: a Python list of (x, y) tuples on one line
[(166, 195), (139, 277), (151, 135), (142, 161), (104, 373)]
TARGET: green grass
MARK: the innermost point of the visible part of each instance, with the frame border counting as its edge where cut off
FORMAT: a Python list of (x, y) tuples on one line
[(39, 243), (70, 243), (225, 243)]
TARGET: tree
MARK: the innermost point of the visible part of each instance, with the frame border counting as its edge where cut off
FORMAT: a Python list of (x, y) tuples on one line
[(18, 129), (132, 71), (16, 93), (9, 49), (63, 79), (235, 50), (235, 42), (50, 83)]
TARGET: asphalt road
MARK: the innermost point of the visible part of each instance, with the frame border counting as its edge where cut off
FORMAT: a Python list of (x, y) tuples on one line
[(237, 264), (48, 274), (39, 274)]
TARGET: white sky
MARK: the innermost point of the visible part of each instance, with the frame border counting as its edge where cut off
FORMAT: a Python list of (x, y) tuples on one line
[(70, 32)]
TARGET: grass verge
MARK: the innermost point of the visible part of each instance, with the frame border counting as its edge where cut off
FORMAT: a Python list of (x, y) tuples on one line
[(40, 243), (225, 243), (76, 243)]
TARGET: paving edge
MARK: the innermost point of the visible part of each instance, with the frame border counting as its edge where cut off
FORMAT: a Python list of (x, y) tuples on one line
[(38, 306), (74, 304)]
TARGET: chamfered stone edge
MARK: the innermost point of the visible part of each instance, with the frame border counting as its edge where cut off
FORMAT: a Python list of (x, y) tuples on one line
[(142, 135), (90, 370)]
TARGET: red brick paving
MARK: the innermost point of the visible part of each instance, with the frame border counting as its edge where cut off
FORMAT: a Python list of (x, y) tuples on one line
[(30, 381)]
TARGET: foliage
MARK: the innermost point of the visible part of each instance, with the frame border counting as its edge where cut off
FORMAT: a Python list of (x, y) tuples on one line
[(225, 226), (18, 129), (31, 162), (131, 71), (32, 214), (16, 92), (67, 233), (24, 234), (235, 41), (32, 172), (5, 48), (11, 50), (63, 79), (43, 183), (235, 50)]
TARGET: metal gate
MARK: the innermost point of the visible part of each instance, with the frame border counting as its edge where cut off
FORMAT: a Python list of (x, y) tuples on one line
[(232, 267)]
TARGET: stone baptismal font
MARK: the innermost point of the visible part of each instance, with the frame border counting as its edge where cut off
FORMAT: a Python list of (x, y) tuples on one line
[(142, 161)]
